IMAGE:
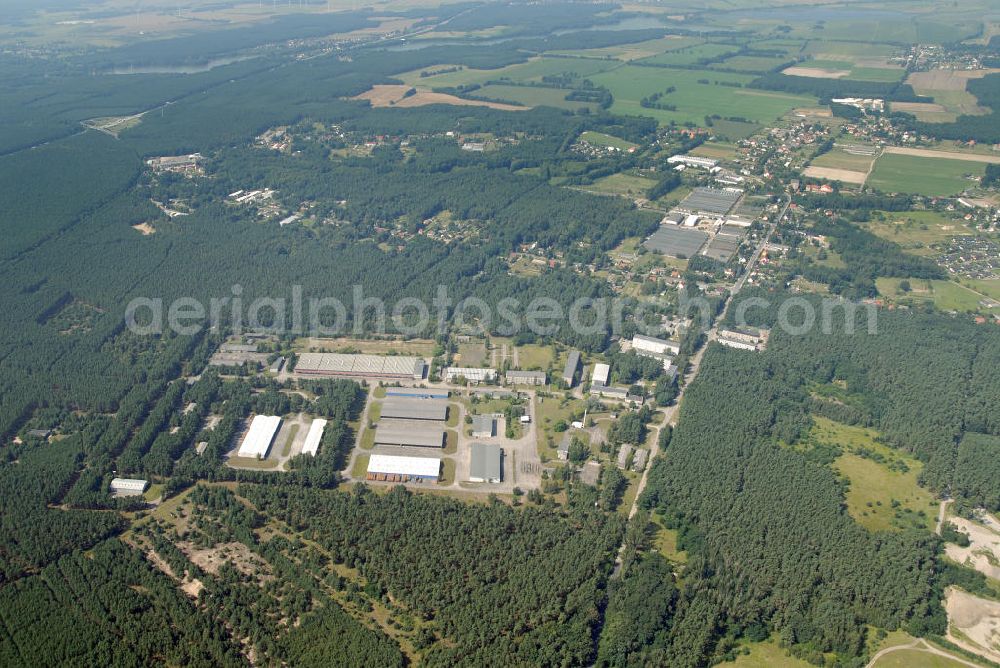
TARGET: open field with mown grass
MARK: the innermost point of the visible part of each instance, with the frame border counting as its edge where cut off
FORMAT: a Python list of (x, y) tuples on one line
[(933, 177), (698, 93), (601, 139), (883, 493), (945, 295)]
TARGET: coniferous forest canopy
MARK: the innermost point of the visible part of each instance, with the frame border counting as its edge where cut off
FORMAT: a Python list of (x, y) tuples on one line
[(746, 533)]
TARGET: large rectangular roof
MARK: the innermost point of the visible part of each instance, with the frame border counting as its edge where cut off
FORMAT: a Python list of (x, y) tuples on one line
[(340, 364), (419, 392), (421, 467), (676, 241), (414, 408), (602, 373), (311, 446), (716, 201), (572, 362), (486, 464), (258, 438), (414, 433)]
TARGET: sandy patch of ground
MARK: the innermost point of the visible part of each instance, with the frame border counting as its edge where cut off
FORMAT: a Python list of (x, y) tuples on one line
[(946, 79), (817, 112), (919, 107), (235, 553), (948, 155), (145, 228), (983, 552), (816, 72), (392, 95), (833, 174), (193, 588), (973, 623)]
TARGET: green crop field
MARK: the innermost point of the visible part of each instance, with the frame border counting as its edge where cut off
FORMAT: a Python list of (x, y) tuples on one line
[(691, 55), (531, 96), (933, 177), (751, 63), (621, 184), (533, 70), (636, 51), (841, 159), (698, 94), (601, 139)]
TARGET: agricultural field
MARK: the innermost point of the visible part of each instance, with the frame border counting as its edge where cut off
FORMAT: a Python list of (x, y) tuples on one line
[(396, 96), (691, 55), (698, 93), (601, 139), (637, 51), (530, 71), (530, 96), (751, 63), (626, 185), (840, 69), (932, 177), (883, 492), (715, 149)]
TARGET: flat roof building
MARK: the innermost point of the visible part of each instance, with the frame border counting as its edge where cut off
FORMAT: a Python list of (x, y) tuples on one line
[(360, 366), (601, 375), (412, 408), (471, 374), (650, 344), (692, 161), (416, 392), (394, 468), (409, 433), (259, 436), (517, 377), (623, 455), (128, 486), (639, 460), (315, 435), (572, 364), (486, 464), (483, 426)]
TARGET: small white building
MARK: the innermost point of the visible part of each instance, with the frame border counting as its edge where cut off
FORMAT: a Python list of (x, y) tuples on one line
[(315, 435), (600, 375), (470, 374), (259, 436), (128, 486)]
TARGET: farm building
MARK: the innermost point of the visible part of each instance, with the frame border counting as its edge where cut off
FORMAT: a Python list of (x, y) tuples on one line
[(259, 436), (601, 375), (486, 464), (652, 345), (672, 218), (360, 366), (472, 375), (692, 161), (409, 433), (393, 468), (483, 426), (416, 392), (676, 241), (572, 364), (128, 486), (525, 377), (711, 201), (411, 408), (315, 435)]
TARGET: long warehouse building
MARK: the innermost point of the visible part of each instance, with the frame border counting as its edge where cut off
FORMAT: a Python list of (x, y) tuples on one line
[(411, 408), (259, 436), (315, 435), (361, 366), (392, 468), (409, 433)]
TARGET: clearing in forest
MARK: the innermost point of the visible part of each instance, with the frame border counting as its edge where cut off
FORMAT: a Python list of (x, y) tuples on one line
[(395, 96)]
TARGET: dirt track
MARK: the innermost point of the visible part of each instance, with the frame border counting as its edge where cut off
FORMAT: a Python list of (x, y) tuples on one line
[(948, 155), (393, 96)]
